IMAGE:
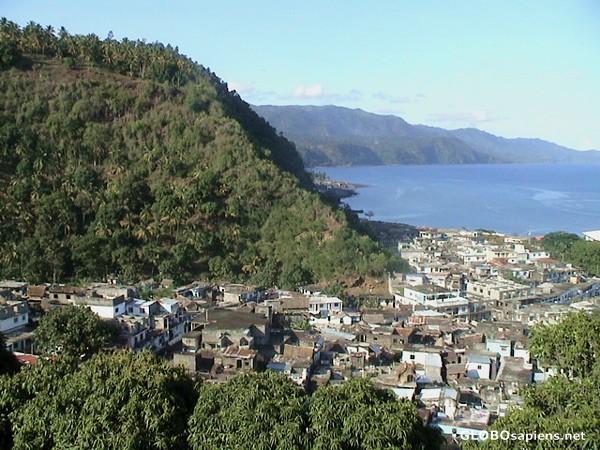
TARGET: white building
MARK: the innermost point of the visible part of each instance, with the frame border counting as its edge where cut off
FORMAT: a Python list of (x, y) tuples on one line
[(13, 315), (481, 367), (324, 305), (500, 347), (428, 363), (592, 235), (106, 308)]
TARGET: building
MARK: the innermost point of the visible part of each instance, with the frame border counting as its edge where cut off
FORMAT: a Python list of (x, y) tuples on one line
[(427, 361), (324, 305), (481, 366), (592, 235), (14, 314), (497, 289), (105, 307)]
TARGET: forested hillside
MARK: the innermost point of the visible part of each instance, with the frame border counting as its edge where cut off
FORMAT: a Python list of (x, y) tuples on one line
[(128, 159), (335, 136)]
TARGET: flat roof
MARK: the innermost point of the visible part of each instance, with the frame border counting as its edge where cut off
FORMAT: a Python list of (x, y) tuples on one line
[(428, 289), (593, 234)]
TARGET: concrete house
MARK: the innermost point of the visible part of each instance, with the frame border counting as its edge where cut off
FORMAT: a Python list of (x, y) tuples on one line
[(228, 327), (428, 362), (481, 366), (324, 305)]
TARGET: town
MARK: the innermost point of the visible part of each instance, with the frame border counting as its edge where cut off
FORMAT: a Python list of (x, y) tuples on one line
[(451, 335)]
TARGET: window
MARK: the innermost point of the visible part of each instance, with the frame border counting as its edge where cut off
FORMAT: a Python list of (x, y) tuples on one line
[(412, 356), (478, 367), (116, 310), (68, 296), (16, 319)]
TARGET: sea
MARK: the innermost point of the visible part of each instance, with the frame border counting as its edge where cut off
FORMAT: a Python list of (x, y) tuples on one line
[(528, 199)]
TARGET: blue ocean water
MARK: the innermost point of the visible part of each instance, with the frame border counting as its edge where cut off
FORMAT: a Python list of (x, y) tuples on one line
[(516, 199)]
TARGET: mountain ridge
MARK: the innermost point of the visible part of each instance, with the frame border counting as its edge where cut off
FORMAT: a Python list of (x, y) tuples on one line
[(333, 135)]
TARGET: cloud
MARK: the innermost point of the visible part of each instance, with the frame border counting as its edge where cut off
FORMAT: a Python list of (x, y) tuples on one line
[(241, 87), (470, 117), (311, 91), (393, 99), (314, 93)]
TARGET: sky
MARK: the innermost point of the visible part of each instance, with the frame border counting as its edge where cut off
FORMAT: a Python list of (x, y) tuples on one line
[(513, 68)]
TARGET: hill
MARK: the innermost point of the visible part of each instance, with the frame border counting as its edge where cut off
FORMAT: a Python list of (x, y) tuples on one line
[(129, 159), (523, 150), (333, 136)]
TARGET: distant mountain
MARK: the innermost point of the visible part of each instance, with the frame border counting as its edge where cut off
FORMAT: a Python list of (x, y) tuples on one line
[(333, 136), (523, 150)]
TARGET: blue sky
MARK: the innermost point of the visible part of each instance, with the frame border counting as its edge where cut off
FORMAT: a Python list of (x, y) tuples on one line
[(514, 68)]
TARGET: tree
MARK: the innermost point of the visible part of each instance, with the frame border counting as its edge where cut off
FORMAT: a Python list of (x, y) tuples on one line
[(260, 411), (358, 416), (120, 400), (8, 361), (73, 330), (15, 391), (572, 345), (557, 406), (160, 171), (559, 243), (567, 403)]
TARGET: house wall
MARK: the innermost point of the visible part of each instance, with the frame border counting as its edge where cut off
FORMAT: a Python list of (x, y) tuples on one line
[(108, 311), (14, 322), (497, 346), (479, 370)]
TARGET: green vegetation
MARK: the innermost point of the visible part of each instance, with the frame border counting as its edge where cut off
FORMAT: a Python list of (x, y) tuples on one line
[(572, 347), (336, 136), (133, 401), (356, 415), (259, 411), (567, 403), (571, 248), (128, 159), (114, 401), (74, 331)]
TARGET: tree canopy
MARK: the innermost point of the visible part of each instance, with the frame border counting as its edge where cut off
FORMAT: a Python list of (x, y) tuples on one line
[(128, 159), (571, 248), (357, 415), (135, 401), (567, 403), (8, 361), (74, 331), (573, 346), (260, 411), (119, 400)]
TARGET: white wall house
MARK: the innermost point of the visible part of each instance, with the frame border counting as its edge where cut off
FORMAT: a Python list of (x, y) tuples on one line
[(481, 367), (106, 308), (329, 305), (13, 315), (592, 235), (500, 347)]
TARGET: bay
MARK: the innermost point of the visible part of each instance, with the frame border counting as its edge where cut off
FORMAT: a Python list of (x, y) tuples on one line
[(531, 199)]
